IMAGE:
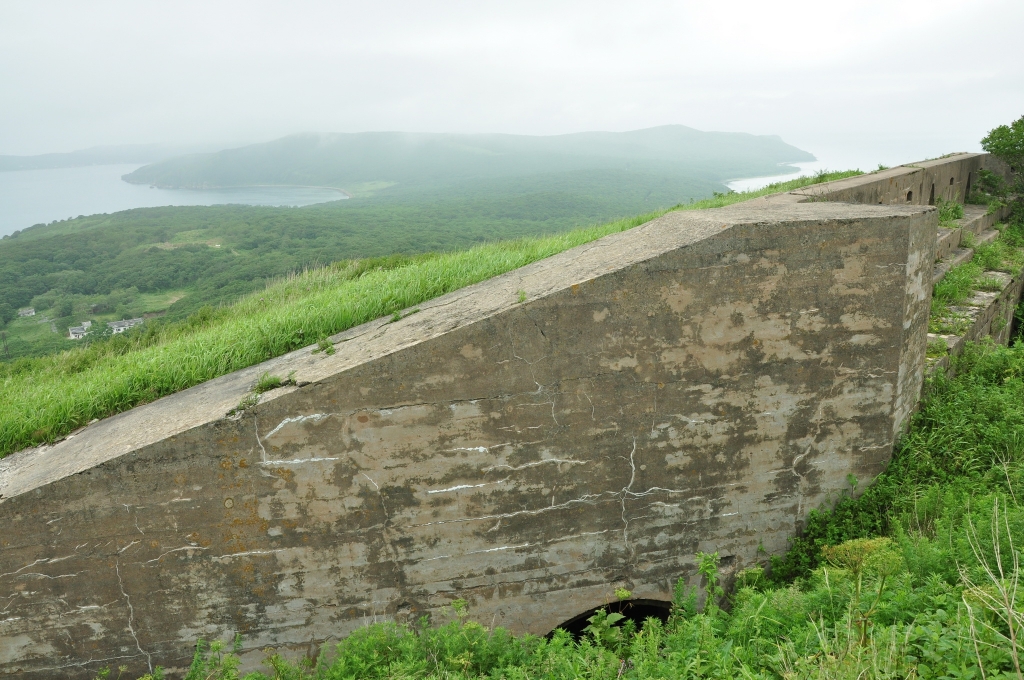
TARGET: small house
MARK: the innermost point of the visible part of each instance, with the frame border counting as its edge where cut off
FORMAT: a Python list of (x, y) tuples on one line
[(122, 326), (28, 311), (78, 332)]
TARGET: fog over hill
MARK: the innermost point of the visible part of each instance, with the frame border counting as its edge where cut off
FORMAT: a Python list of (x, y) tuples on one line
[(370, 159), (98, 155), (411, 193)]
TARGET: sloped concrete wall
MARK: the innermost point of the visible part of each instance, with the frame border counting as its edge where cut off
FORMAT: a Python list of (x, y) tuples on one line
[(696, 383)]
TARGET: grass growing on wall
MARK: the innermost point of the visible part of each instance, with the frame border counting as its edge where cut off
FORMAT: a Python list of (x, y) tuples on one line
[(48, 397), (1004, 254)]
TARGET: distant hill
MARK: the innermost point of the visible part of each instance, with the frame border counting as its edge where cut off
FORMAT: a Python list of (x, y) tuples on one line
[(354, 162), (410, 193), (97, 155)]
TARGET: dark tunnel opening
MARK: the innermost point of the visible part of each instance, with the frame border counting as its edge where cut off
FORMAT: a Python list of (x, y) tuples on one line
[(636, 610)]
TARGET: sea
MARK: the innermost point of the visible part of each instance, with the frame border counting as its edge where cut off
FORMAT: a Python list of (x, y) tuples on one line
[(29, 197)]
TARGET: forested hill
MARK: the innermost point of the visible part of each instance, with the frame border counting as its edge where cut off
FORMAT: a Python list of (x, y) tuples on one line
[(410, 194), (371, 160), (174, 260)]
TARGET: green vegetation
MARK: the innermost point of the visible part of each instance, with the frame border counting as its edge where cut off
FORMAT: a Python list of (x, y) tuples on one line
[(1004, 254), (267, 382), (914, 578), (324, 345), (47, 397), (948, 212), (410, 194), (955, 288), (1007, 143)]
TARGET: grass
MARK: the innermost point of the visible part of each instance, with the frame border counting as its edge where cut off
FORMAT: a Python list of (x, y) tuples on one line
[(955, 288), (36, 338), (1004, 254), (949, 211), (915, 577), (48, 397)]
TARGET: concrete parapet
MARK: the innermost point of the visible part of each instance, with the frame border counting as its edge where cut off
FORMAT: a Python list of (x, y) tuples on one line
[(696, 383), (924, 183)]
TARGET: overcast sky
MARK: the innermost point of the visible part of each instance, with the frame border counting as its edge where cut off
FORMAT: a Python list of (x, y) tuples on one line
[(886, 81)]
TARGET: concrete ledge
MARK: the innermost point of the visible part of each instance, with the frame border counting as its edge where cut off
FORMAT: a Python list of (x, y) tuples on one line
[(949, 178), (955, 259)]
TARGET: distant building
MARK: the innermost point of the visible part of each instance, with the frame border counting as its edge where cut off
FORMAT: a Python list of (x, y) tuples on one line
[(28, 311), (122, 326), (78, 332)]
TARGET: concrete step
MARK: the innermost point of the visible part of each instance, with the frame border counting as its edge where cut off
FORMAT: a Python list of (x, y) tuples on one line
[(990, 314), (957, 257), (977, 219), (986, 237), (948, 241)]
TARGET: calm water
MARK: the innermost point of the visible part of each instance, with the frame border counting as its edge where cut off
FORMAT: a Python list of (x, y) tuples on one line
[(801, 170), (29, 197)]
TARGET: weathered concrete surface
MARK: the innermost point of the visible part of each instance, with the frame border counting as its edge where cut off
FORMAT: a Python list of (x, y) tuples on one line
[(696, 383), (923, 183)]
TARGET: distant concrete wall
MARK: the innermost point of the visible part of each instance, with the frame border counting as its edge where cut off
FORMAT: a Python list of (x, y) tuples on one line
[(924, 183), (697, 383)]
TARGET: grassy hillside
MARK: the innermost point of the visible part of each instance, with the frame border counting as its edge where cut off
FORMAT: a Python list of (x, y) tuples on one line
[(47, 397), (349, 161), (93, 267), (409, 194)]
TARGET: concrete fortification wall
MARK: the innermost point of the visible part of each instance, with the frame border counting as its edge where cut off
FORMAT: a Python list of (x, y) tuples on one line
[(697, 383)]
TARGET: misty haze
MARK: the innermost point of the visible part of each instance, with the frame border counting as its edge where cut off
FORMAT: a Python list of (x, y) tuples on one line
[(462, 340)]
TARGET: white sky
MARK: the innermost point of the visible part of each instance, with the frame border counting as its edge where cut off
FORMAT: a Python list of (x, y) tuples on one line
[(853, 82)]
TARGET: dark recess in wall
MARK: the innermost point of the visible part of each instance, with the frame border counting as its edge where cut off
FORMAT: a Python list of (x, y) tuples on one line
[(635, 610)]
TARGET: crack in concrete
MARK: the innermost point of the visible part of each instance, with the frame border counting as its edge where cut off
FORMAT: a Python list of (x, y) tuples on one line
[(184, 547), (622, 499), (566, 461), (27, 566), (131, 616), (296, 419), (256, 427)]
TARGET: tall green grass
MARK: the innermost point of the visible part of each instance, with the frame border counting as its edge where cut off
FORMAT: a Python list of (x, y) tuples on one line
[(46, 398)]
